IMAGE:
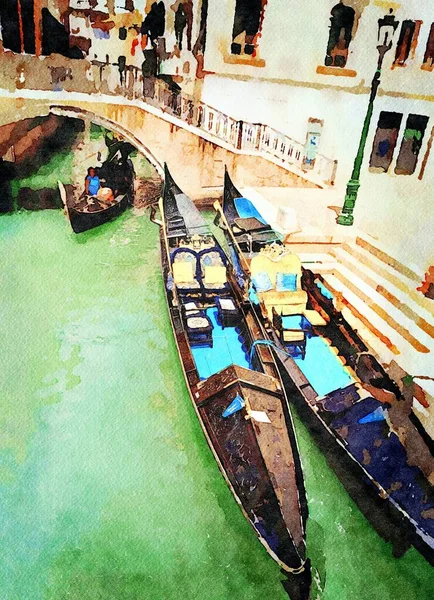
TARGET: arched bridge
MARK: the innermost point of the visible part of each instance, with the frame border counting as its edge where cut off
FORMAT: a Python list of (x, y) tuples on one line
[(196, 157)]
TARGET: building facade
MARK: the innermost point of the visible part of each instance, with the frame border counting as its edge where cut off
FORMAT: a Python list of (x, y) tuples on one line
[(310, 78)]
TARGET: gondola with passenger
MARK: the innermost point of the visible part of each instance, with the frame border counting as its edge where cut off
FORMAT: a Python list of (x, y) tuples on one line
[(110, 192), (233, 382), (361, 418)]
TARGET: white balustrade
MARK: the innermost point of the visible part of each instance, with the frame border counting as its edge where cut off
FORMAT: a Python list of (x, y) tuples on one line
[(241, 135)]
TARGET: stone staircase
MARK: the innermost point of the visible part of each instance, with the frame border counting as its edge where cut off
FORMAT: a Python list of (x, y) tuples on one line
[(378, 298)]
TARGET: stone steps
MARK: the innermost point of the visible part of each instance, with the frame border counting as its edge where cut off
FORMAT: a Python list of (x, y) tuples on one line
[(402, 346), (394, 317), (401, 277), (397, 297), (385, 299)]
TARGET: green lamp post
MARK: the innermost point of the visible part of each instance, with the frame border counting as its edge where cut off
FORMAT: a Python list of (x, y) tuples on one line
[(386, 29)]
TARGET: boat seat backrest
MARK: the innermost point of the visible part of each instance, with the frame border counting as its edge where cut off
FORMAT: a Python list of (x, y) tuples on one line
[(287, 263), (211, 257), (185, 255)]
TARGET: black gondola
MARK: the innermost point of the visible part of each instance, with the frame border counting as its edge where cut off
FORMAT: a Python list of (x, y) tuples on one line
[(341, 391), (93, 215), (87, 212), (237, 393), (247, 225)]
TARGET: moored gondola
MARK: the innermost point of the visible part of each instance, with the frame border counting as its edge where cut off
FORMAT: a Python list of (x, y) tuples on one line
[(247, 225), (360, 417), (236, 390)]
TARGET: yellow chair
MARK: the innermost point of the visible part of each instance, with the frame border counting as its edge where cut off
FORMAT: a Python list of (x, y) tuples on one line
[(284, 302)]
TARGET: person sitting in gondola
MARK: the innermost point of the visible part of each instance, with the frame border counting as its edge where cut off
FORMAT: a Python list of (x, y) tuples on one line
[(92, 182), (96, 196)]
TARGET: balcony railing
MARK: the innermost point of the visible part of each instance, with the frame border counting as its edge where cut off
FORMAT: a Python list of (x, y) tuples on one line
[(242, 136)]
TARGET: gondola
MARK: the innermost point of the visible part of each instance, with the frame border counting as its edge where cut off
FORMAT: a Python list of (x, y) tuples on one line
[(341, 391), (87, 212), (234, 383), (246, 224)]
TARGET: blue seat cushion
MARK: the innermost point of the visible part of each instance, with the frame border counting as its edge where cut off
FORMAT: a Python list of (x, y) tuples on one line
[(262, 282), (286, 282)]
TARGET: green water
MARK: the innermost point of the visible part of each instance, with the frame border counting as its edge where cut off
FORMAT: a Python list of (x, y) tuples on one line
[(108, 490)]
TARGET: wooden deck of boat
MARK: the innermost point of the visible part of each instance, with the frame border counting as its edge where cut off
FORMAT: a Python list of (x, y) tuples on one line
[(264, 394), (280, 465)]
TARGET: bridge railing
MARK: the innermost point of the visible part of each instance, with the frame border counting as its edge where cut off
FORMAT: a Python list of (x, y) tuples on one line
[(242, 135), (105, 78)]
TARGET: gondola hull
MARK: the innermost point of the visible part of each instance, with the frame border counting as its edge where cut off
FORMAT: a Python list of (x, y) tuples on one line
[(395, 500), (83, 221), (234, 444), (259, 460)]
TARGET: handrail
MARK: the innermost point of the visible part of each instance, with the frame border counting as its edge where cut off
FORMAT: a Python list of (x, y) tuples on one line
[(242, 136)]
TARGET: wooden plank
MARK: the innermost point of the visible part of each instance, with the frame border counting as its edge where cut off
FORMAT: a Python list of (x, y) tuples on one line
[(214, 385), (309, 393), (294, 372), (235, 375), (277, 453), (185, 353)]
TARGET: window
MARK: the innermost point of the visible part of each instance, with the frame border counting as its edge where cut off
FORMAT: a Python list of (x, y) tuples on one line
[(385, 140), (247, 23), (411, 144), (428, 59), (341, 27), (407, 42)]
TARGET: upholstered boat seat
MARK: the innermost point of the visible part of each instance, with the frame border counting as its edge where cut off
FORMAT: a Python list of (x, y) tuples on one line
[(199, 330), (276, 276), (213, 272), (295, 304), (184, 271), (190, 309)]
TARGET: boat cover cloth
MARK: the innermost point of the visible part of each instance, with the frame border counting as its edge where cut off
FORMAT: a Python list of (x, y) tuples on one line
[(384, 457), (194, 221), (250, 224), (227, 349), (246, 210)]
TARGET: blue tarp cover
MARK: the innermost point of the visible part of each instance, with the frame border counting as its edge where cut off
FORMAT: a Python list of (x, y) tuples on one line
[(227, 349), (246, 210)]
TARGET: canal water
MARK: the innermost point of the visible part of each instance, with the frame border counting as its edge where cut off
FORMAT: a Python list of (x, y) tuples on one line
[(108, 490)]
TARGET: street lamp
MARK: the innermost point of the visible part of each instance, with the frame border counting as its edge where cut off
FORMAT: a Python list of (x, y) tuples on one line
[(386, 29)]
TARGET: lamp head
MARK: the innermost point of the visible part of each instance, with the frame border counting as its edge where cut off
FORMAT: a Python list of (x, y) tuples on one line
[(386, 29)]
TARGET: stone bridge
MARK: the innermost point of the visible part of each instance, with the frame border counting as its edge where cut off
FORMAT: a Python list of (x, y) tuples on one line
[(196, 158)]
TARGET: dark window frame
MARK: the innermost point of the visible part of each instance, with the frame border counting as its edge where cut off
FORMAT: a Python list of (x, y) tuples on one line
[(340, 35)]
